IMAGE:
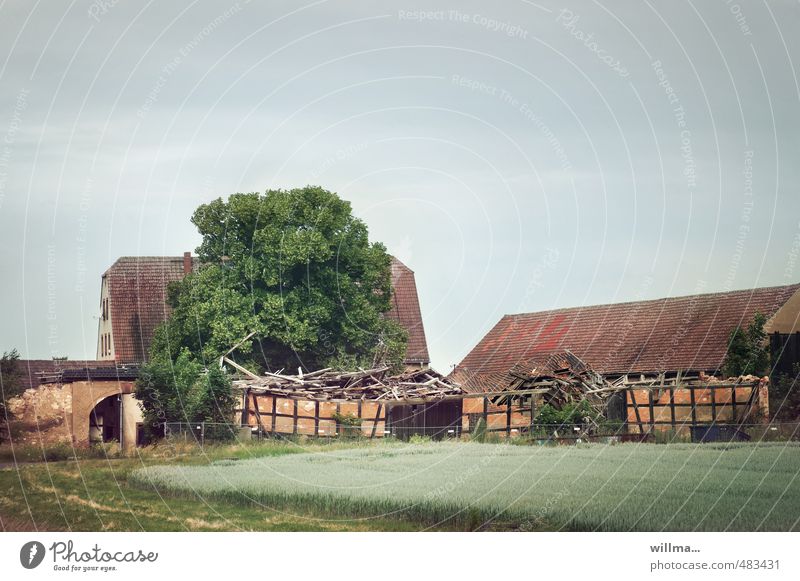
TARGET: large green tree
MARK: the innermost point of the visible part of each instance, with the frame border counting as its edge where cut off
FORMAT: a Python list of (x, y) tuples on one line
[(296, 268)]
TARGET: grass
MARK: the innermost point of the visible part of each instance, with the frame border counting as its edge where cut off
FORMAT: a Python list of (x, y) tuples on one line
[(377, 486), (746, 487), (91, 493)]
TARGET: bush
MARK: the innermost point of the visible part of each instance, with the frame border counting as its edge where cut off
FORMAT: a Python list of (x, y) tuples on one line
[(348, 425), (784, 396), (569, 415)]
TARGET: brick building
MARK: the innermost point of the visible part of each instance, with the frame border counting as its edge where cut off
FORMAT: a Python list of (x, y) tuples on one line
[(679, 334), (133, 295)]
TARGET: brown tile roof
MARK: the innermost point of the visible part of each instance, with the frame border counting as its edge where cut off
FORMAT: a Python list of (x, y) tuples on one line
[(138, 293), (671, 334), (405, 310), (31, 370), (137, 290)]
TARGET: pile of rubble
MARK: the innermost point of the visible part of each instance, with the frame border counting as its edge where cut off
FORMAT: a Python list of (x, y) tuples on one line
[(564, 379), (364, 384)]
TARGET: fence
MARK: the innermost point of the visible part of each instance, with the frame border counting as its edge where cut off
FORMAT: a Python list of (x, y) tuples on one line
[(206, 433)]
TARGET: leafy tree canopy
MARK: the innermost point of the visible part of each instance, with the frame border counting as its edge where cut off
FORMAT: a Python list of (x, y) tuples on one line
[(298, 269), (748, 351)]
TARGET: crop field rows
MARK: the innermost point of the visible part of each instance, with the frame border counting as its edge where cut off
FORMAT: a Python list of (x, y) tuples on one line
[(716, 487)]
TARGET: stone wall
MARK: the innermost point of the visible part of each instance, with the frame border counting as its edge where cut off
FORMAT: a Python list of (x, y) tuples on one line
[(42, 415), (52, 413)]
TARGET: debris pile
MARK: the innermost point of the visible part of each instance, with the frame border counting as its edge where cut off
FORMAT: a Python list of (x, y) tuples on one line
[(365, 384), (565, 379)]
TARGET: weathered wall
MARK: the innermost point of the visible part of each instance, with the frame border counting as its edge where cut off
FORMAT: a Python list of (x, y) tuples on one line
[(281, 415), (52, 413), (679, 408), (42, 415)]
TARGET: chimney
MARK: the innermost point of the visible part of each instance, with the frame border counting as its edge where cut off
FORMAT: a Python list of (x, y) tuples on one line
[(187, 263)]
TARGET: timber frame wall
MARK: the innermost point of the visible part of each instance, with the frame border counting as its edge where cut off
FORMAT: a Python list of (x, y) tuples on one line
[(648, 408), (679, 407), (275, 414)]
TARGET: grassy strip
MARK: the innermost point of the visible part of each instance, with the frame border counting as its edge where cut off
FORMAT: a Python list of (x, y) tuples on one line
[(89, 494)]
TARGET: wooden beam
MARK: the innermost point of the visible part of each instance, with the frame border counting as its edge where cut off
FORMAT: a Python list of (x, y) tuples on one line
[(713, 405), (375, 422), (672, 405), (238, 367), (258, 413)]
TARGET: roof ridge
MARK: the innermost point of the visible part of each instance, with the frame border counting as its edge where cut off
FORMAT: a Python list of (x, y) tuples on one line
[(660, 299), (399, 262)]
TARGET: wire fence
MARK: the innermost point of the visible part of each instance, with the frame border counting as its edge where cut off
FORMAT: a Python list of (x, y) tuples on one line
[(213, 432)]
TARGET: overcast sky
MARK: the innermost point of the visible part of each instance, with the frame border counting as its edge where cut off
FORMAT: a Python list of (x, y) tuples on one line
[(518, 156)]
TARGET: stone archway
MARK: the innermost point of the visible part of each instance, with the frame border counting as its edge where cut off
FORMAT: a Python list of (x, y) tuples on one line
[(86, 395)]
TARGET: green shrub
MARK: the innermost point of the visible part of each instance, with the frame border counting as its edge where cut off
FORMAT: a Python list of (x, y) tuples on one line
[(348, 425)]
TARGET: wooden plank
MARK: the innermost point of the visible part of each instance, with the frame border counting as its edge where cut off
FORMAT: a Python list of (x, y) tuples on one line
[(533, 413), (713, 405), (316, 418), (246, 411), (258, 413), (238, 367), (636, 411), (672, 404), (375, 422), (694, 406), (274, 413)]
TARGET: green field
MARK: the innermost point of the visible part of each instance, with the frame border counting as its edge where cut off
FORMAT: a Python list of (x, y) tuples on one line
[(743, 487), (92, 492), (395, 486)]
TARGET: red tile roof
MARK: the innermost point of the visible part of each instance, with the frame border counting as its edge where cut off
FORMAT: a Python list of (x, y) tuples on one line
[(671, 334), (138, 293), (31, 370), (405, 310), (137, 290)]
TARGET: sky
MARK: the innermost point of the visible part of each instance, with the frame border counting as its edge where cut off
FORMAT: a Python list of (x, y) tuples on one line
[(518, 156)]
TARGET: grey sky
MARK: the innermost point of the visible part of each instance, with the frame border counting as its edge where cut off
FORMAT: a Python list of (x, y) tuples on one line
[(518, 156)]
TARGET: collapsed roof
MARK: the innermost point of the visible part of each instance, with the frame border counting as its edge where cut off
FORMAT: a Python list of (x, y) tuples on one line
[(665, 335), (365, 384)]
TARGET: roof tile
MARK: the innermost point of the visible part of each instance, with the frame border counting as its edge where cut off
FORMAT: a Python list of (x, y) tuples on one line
[(670, 334)]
